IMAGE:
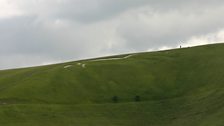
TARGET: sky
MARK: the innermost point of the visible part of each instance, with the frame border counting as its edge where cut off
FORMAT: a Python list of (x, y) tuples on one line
[(40, 32)]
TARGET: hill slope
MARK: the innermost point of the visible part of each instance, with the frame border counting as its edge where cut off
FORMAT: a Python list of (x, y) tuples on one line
[(181, 87)]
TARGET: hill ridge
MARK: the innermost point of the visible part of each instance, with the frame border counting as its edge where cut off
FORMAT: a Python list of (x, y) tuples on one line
[(174, 87)]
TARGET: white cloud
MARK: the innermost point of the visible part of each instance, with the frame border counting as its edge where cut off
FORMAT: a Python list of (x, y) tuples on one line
[(8, 9), (147, 27), (217, 37)]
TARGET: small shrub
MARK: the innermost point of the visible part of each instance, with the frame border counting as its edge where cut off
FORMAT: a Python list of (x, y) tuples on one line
[(115, 99), (137, 98)]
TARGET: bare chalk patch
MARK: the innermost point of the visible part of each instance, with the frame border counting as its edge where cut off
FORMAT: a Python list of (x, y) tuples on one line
[(83, 65), (65, 67)]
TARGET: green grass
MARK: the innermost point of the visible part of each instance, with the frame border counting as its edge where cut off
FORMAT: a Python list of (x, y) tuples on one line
[(180, 87)]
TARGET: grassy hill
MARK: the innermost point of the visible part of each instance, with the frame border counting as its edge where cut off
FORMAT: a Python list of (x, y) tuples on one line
[(180, 87)]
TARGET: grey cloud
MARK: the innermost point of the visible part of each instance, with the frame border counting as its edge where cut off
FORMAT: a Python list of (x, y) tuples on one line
[(24, 60), (22, 35), (31, 40), (83, 11), (86, 11), (147, 28)]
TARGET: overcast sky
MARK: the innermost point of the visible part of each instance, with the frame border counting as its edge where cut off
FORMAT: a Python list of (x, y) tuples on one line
[(38, 32)]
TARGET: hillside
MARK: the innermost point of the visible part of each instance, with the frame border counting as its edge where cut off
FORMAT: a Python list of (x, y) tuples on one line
[(179, 87)]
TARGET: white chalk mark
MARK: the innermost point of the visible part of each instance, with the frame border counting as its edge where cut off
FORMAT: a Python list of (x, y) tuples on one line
[(111, 58), (83, 65), (67, 66)]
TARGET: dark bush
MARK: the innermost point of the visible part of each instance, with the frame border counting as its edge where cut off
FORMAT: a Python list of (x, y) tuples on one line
[(115, 99), (137, 98)]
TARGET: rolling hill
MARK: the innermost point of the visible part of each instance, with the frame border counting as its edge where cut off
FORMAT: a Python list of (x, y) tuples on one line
[(179, 87)]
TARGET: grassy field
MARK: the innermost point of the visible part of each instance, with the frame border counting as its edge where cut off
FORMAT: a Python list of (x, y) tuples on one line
[(179, 87)]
